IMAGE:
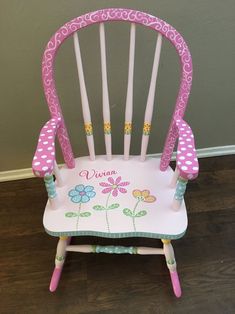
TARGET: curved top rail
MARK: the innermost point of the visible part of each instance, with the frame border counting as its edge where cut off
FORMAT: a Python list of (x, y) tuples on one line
[(118, 14)]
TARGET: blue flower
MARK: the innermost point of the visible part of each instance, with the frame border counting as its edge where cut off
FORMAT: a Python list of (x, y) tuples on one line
[(81, 193)]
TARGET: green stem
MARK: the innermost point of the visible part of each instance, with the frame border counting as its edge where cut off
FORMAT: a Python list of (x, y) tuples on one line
[(78, 213), (106, 211), (133, 217)]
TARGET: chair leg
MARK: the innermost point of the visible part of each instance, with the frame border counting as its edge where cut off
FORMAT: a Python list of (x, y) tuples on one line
[(59, 262), (171, 264)]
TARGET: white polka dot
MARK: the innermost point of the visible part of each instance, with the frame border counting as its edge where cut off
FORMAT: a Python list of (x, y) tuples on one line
[(179, 162), (192, 135), (194, 149), (45, 127), (52, 153), (188, 131), (53, 119), (182, 129), (178, 120), (44, 156), (36, 163), (53, 144), (44, 168), (183, 124), (54, 126), (37, 173), (189, 154), (182, 143), (195, 159), (50, 136), (49, 131), (188, 162), (39, 140), (195, 168), (184, 135), (184, 168), (53, 123), (49, 161), (45, 143), (188, 139), (35, 157), (183, 148), (40, 150), (178, 152), (42, 134), (190, 146), (50, 148), (181, 157), (180, 138)]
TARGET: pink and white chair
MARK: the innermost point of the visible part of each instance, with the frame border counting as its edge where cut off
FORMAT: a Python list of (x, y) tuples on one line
[(116, 196)]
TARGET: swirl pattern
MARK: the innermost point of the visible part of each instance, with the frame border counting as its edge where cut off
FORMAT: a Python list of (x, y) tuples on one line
[(116, 14)]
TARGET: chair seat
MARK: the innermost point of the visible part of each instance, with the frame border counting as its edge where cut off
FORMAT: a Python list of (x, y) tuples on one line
[(116, 199)]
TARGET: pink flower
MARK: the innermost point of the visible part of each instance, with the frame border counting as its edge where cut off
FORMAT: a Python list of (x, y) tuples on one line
[(114, 186)]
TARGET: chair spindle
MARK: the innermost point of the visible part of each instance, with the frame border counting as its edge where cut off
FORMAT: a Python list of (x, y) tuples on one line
[(105, 95), (174, 178), (84, 99), (129, 97), (179, 193), (51, 191), (150, 100), (57, 174)]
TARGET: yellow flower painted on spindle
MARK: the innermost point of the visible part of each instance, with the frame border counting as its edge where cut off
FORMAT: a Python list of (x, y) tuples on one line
[(127, 128), (146, 128), (144, 196), (88, 128), (107, 128)]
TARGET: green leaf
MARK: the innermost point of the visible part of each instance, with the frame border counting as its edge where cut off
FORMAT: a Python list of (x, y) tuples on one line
[(99, 207), (71, 214), (85, 214), (141, 213), (127, 212), (113, 206)]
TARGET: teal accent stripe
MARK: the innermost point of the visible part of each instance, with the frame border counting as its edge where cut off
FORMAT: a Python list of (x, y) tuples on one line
[(115, 249), (116, 235), (180, 189), (50, 186)]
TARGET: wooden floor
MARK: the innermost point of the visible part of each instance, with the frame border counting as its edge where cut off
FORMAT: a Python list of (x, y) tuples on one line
[(102, 283)]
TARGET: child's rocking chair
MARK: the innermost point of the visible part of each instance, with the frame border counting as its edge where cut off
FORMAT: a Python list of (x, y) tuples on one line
[(116, 196)]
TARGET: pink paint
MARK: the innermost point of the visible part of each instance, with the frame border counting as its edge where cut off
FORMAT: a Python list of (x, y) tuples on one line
[(116, 14), (186, 158), (44, 157), (89, 174), (176, 283)]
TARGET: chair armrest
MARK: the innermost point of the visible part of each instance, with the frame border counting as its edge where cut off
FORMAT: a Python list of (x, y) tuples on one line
[(44, 157), (186, 157)]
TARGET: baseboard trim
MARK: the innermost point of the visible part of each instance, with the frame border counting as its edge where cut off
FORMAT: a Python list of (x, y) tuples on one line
[(27, 173)]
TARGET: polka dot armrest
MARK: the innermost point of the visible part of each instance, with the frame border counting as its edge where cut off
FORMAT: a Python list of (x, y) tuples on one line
[(44, 157), (186, 158)]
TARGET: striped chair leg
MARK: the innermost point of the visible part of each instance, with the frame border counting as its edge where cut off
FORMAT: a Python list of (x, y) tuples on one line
[(171, 264), (59, 262)]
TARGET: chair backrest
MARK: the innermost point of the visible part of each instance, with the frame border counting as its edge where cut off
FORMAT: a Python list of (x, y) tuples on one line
[(134, 17)]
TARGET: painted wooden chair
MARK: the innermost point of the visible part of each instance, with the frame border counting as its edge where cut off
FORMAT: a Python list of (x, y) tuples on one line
[(116, 196)]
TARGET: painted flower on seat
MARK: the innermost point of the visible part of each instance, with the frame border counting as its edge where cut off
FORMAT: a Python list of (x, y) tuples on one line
[(82, 193), (144, 196), (141, 196), (114, 186)]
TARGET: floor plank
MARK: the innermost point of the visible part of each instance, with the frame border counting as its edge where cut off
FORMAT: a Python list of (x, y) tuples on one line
[(99, 283)]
